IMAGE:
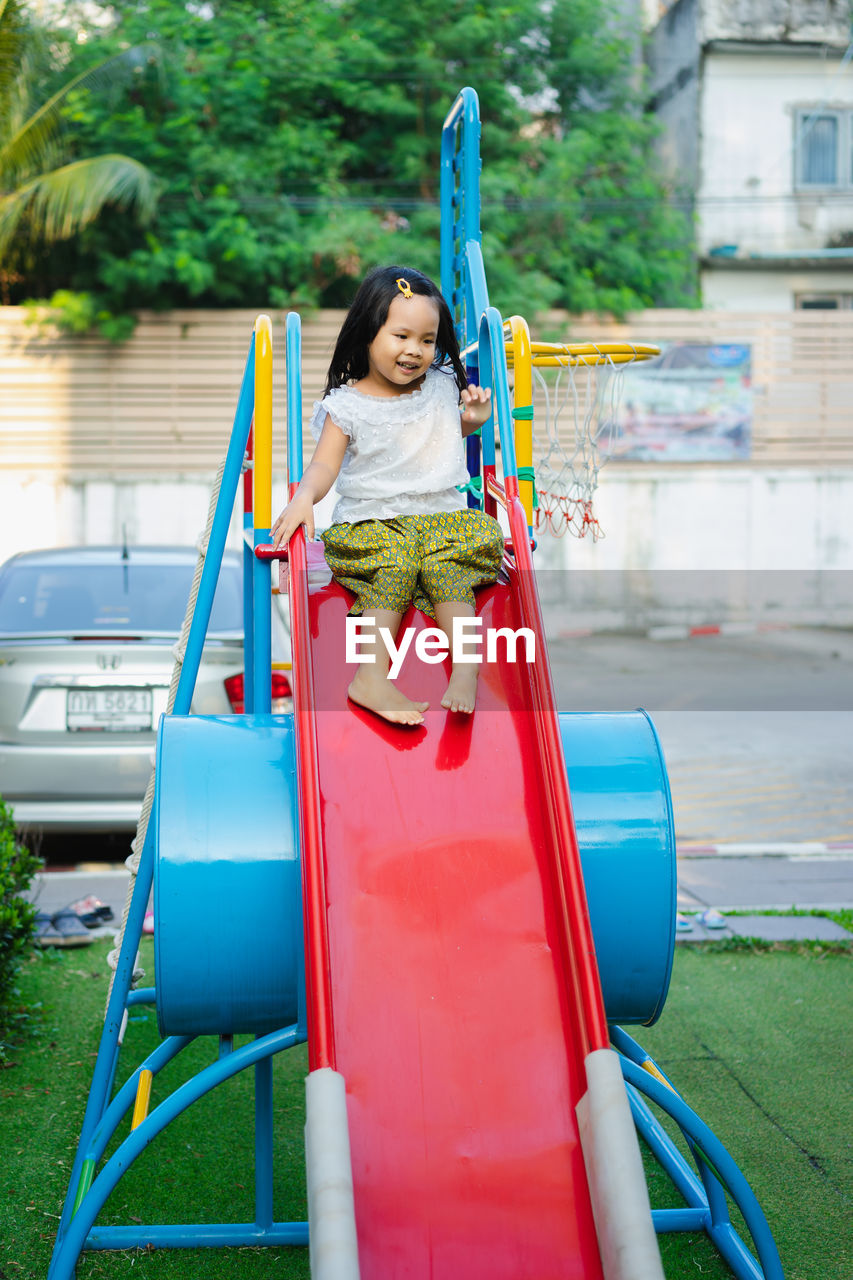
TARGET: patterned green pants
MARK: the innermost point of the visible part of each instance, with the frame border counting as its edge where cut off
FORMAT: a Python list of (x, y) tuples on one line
[(389, 564)]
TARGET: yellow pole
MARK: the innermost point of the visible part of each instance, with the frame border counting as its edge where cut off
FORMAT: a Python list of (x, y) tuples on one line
[(522, 411), (143, 1097), (262, 513)]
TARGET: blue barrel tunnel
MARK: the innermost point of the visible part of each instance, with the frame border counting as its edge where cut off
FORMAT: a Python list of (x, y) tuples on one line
[(227, 896)]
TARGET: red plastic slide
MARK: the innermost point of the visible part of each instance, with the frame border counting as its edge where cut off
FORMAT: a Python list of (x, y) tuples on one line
[(459, 1004)]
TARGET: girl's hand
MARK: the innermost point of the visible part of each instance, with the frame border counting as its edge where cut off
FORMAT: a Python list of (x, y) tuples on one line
[(476, 405), (300, 510)]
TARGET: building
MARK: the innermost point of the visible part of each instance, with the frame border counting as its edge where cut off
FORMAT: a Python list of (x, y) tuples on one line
[(755, 100)]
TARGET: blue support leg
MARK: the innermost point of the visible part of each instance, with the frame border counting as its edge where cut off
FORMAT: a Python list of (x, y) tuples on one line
[(203, 1235), (707, 1206), (263, 1144), (248, 614), (262, 630), (78, 1237), (108, 1050)]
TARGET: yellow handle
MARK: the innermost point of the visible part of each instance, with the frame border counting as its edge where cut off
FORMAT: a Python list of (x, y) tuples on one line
[(523, 400), (653, 1070), (263, 424), (143, 1097)]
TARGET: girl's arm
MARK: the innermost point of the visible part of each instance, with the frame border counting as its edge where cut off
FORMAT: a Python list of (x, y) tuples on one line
[(318, 478), (476, 408)]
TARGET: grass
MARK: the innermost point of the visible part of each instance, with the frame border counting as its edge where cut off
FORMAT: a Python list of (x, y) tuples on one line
[(201, 1169), (817, 947), (758, 1042), (842, 916)]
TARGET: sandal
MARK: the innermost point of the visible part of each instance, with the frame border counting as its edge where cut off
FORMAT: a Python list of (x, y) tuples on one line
[(60, 930), (91, 911), (711, 918)]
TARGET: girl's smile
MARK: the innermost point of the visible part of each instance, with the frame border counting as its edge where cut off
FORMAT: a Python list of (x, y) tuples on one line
[(404, 348)]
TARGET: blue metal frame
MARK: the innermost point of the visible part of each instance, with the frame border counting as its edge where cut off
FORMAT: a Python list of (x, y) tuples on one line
[(463, 275), (705, 1196), (86, 1192), (493, 372), (293, 357), (82, 1235), (480, 332), (248, 609)]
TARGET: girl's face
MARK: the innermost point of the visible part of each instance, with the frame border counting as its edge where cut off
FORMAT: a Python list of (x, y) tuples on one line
[(404, 348)]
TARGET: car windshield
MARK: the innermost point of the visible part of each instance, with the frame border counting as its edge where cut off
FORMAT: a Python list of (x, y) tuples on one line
[(137, 598)]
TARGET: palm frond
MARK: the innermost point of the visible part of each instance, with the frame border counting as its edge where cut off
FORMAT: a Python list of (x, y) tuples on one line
[(60, 203), (25, 150)]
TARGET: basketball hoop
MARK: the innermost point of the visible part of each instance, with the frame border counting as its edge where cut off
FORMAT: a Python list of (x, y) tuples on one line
[(575, 389)]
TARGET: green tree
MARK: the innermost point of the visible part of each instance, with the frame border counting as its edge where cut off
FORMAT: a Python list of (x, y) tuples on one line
[(296, 143), (46, 194)]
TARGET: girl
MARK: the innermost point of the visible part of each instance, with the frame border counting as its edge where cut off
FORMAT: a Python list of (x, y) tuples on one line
[(389, 430)]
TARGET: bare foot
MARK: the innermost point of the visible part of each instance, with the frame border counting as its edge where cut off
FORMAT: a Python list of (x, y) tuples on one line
[(386, 700), (461, 692)]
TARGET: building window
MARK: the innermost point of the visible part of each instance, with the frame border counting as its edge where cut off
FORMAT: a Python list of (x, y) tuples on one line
[(823, 301), (823, 150)]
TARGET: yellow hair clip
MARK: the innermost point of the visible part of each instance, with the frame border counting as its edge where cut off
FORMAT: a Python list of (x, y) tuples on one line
[(405, 288)]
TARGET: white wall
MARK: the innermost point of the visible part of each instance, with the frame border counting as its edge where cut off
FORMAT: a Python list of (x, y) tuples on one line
[(681, 544), (718, 517), (706, 546), (746, 193), (51, 512), (771, 290)]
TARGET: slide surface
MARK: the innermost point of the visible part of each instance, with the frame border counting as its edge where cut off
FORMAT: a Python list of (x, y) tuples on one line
[(454, 1024)]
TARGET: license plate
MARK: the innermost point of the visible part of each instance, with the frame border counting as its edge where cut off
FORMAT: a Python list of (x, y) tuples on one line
[(108, 710)]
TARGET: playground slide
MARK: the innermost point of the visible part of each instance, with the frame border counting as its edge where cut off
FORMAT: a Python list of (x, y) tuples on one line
[(454, 1020)]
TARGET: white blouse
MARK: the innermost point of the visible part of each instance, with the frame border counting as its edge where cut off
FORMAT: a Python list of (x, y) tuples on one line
[(405, 455)]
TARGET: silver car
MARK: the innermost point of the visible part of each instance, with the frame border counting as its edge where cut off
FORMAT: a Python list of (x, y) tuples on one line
[(86, 637)]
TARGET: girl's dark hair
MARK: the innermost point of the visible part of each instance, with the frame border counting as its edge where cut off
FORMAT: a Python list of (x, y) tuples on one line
[(368, 313)]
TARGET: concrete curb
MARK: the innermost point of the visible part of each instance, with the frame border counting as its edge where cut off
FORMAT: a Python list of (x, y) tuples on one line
[(714, 629), (774, 849), (676, 631)]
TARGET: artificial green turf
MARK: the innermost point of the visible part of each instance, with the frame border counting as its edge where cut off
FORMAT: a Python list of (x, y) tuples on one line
[(758, 1044), (200, 1169)]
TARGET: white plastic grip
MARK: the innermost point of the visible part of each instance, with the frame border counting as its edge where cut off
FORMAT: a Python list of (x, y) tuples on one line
[(333, 1243), (617, 1182)]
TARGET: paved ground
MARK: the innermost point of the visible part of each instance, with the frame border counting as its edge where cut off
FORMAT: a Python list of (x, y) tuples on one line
[(53, 890), (724, 882), (757, 731)]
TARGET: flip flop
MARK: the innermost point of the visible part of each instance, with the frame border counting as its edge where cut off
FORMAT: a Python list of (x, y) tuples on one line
[(61, 930), (91, 911), (711, 918)]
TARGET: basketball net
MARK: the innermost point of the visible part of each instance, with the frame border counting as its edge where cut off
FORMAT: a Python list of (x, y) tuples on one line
[(576, 390)]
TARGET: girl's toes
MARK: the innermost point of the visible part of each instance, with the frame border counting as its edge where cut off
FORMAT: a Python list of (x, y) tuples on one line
[(461, 692)]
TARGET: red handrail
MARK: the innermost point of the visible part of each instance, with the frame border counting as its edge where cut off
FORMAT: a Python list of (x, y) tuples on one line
[(570, 895), (318, 983)]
